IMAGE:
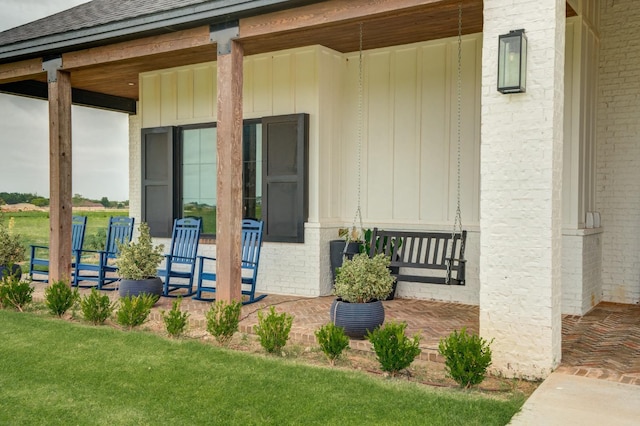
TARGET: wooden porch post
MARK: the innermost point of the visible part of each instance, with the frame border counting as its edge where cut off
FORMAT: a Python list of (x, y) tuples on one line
[(59, 83), (229, 185)]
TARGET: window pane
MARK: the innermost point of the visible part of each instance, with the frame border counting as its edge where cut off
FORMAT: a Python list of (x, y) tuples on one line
[(190, 183), (199, 176), (251, 170), (208, 147), (191, 147), (259, 163)]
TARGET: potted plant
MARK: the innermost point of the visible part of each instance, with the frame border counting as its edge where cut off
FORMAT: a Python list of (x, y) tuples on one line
[(365, 247), (361, 284), (138, 263), (11, 250)]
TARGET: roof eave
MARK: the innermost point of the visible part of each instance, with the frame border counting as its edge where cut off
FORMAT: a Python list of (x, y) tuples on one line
[(162, 22)]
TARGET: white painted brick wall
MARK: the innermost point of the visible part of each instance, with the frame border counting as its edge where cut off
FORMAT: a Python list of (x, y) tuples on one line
[(521, 165), (581, 271), (618, 153), (135, 168)]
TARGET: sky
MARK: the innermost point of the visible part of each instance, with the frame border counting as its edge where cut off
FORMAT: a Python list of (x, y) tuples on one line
[(99, 138)]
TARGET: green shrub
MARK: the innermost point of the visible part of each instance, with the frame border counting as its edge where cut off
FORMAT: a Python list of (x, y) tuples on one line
[(273, 329), (134, 310), (95, 241), (139, 260), (176, 320), (332, 341), (59, 297), (11, 248), (394, 350), (15, 293), (223, 320), (96, 307), (467, 357)]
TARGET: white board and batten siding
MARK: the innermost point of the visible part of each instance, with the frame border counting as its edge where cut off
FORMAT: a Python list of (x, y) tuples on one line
[(409, 146), (409, 134), (409, 142)]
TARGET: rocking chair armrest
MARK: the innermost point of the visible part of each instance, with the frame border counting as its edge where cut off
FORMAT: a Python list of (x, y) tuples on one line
[(206, 258), (35, 248)]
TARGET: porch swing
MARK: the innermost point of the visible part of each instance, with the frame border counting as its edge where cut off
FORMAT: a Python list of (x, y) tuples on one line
[(426, 257)]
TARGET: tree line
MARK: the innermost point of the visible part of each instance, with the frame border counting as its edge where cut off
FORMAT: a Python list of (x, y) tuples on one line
[(39, 201)]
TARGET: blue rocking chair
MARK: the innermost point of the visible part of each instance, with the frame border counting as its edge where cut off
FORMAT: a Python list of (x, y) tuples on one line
[(180, 262), (120, 231), (39, 259), (251, 245)]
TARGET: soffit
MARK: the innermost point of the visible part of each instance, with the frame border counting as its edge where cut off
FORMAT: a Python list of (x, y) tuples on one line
[(435, 20)]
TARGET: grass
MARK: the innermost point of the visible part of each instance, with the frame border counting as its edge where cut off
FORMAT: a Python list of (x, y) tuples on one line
[(33, 226), (57, 372)]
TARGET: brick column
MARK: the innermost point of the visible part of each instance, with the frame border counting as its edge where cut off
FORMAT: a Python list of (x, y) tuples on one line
[(135, 168), (521, 180)]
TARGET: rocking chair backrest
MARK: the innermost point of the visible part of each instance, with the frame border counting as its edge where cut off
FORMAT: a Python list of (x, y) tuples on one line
[(120, 231), (251, 243), (78, 226), (184, 240)]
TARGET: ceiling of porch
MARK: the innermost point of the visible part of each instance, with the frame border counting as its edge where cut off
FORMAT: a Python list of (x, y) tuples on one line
[(320, 23)]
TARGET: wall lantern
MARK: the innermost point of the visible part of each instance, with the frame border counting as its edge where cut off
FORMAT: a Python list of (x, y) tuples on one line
[(512, 62)]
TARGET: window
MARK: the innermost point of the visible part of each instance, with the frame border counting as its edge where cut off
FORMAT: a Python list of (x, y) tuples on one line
[(179, 175), (198, 167)]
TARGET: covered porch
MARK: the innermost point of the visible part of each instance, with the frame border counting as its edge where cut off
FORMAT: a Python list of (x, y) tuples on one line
[(528, 168)]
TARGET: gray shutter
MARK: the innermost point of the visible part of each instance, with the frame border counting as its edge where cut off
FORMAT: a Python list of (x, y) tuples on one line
[(157, 180), (285, 208)]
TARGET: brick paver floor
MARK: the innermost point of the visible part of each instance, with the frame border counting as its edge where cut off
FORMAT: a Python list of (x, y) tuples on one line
[(604, 344)]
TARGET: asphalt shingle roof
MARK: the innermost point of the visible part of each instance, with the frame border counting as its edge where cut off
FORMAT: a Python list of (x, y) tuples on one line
[(92, 14)]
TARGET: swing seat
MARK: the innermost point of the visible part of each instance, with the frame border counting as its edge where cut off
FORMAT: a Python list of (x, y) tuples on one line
[(426, 257)]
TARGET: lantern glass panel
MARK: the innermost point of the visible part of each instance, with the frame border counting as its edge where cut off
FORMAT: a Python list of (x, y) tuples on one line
[(512, 62)]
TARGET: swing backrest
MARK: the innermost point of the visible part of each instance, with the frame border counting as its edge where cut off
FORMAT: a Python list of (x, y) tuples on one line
[(429, 257)]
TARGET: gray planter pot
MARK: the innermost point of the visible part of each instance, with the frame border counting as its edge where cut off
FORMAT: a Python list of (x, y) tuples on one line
[(136, 287), (357, 318), (337, 252)]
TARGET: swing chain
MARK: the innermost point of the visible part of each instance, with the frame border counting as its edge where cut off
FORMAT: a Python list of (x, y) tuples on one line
[(457, 224), (358, 213), (458, 219)]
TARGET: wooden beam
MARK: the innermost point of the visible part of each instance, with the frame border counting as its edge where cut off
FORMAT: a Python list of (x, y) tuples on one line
[(323, 14), (39, 90), (127, 50), (229, 185), (60, 176), (22, 70)]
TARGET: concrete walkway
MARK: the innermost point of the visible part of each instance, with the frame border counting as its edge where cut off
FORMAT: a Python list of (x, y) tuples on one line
[(573, 400)]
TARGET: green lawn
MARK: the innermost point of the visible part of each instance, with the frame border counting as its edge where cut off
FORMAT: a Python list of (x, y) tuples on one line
[(57, 372), (33, 226)]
